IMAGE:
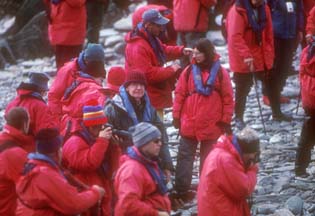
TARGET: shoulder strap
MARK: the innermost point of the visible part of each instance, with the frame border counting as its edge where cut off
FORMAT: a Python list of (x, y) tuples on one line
[(7, 144), (71, 88)]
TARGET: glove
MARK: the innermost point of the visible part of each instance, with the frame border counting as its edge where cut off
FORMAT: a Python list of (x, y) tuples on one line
[(176, 123), (225, 127)]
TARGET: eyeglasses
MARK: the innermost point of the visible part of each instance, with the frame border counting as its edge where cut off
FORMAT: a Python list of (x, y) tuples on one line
[(157, 141)]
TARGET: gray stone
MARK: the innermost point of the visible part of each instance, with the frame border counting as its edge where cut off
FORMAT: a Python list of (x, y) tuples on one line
[(295, 205), (283, 212), (112, 40), (124, 24)]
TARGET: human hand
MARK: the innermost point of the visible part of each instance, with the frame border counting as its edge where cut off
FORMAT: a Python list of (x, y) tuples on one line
[(99, 189), (116, 139), (250, 64), (167, 174), (187, 51), (175, 67), (308, 38), (163, 213), (225, 127), (106, 133)]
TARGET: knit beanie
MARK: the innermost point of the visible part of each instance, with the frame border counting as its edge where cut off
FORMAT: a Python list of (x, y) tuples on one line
[(115, 78), (40, 80), (248, 140), (94, 52), (135, 77), (143, 133), (48, 141), (93, 114)]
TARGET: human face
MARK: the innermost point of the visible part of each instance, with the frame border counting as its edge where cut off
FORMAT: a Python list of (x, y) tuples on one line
[(136, 90), (257, 3), (198, 56), (155, 29), (152, 149), (95, 130), (249, 159)]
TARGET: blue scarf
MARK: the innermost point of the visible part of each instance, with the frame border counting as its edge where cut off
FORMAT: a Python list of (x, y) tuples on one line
[(154, 42), (199, 87), (45, 158), (81, 63), (236, 145), (258, 24), (55, 2), (131, 111), (158, 178)]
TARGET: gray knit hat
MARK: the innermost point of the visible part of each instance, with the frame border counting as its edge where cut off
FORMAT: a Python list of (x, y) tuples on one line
[(143, 133)]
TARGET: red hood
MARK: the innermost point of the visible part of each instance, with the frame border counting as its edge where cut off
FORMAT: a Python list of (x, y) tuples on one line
[(23, 140), (225, 142), (21, 92)]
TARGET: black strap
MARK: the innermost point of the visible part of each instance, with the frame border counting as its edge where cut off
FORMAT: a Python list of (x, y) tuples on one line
[(7, 144)]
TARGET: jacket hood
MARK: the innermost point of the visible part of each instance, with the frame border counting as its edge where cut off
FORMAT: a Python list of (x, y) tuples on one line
[(21, 139), (225, 142), (117, 101)]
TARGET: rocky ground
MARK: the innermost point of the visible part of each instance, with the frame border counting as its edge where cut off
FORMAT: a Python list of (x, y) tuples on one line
[(277, 191)]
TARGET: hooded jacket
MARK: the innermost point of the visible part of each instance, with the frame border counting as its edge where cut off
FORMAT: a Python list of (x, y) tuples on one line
[(11, 164), (224, 183)]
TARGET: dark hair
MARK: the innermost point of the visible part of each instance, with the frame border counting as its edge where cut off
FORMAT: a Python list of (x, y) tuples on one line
[(206, 47), (48, 140), (17, 117)]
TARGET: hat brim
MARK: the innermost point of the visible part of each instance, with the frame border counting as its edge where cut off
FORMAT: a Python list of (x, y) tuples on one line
[(161, 21)]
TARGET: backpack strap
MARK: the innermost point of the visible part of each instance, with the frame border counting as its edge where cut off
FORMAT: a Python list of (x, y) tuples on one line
[(71, 88)]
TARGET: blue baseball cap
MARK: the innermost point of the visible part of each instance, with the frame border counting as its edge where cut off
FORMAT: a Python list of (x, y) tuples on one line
[(154, 16), (40, 80)]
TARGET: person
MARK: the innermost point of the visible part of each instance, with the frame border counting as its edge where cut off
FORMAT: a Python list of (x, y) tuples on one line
[(66, 28), (90, 61), (14, 145), (307, 137), (288, 27), (251, 54), (30, 96), (44, 189), (139, 182), (202, 110), (143, 45), (131, 106), (95, 14), (191, 21), (85, 152), (229, 175), (310, 26), (169, 35), (115, 78)]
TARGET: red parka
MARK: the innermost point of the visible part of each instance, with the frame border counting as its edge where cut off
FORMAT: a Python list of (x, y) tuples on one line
[(308, 5), (199, 114), (307, 81), (65, 76), (137, 192), (36, 107), (161, 80), (67, 24), (192, 15), (11, 164), (48, 193), (85, 162), (310, 23), (224, 183), (86, 90), (242, 43)]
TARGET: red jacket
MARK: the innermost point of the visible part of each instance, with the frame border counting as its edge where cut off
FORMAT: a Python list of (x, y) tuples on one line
[(72, 105), (36, 107), (85, 161), (242, 42), (48, 193), (161, 80), (192, 15), (67, 24), (310, 23), (11, 164), (224, 183), (198, 113), (65, 76), (307, 81), (136, 190), (308, 5)]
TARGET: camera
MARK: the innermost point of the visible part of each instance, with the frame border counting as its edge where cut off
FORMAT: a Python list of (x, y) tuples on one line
[(123, 134)]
